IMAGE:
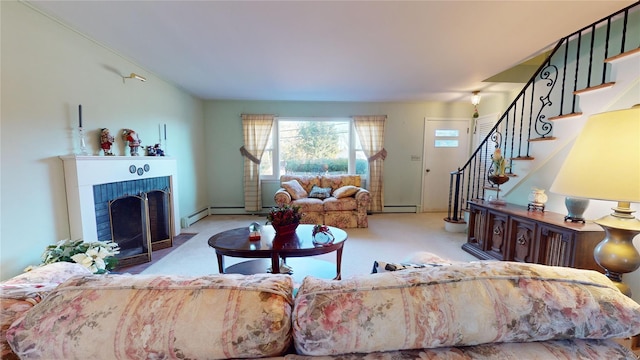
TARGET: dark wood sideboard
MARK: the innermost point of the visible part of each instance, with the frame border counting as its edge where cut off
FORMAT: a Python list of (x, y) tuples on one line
[(512, 233)]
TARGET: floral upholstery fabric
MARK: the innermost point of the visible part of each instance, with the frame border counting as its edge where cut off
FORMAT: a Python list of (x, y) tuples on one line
[(343, 204), (346, 212), (10, 310), (116, 317), (345, 191), (312, 218), (22, 292), (306, 181), (294, 188), (337, 181), (459, 305), (40, 280), (341, 219), (558, 349), (425, 257), (309, 205)]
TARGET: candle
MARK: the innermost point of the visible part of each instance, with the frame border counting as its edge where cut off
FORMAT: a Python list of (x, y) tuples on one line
[(80, 114), (165, 131)]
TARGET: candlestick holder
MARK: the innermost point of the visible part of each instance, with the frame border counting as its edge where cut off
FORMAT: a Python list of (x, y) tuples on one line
[(83, 143)]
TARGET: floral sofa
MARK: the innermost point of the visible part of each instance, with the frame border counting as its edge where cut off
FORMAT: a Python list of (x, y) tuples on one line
[(334, 200), (476, 310)]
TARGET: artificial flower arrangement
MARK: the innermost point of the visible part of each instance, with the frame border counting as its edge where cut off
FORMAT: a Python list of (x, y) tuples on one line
[(284, 215), (499, 162), (98, 256)]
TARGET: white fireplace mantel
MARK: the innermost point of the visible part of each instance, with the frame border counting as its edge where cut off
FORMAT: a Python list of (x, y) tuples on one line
[(83, 172)]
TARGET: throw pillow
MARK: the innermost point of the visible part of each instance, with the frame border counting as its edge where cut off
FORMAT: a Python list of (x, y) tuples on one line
[(381, 266), (294, 188), (345, 191), (93, 317), (320, 193), (457, 305)]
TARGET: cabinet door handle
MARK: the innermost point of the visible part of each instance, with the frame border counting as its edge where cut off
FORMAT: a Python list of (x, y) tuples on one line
[(496, 231), (521, 240)]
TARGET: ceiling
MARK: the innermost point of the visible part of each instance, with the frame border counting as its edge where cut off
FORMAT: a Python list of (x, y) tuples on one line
[(330, 50)]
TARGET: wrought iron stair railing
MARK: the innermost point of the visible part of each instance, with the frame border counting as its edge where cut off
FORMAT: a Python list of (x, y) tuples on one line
[(576, 63)]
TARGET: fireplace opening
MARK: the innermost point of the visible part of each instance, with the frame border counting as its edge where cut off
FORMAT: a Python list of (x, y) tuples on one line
[(159, 202), (129, 219)]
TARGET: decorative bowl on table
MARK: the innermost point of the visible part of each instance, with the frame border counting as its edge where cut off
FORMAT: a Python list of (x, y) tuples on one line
[(284, 219), (498, 179), (282, 230)]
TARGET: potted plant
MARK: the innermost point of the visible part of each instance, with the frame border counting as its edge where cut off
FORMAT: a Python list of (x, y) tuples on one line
[(284, 218), (499, 165), (97, 256)]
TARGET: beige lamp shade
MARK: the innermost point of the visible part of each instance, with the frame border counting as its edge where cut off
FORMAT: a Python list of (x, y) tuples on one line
[(604, 163)]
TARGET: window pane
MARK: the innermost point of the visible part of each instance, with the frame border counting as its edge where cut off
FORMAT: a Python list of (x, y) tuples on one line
[(266, 164), (314, 147), (446, 143), (447, 132), (362, 164)]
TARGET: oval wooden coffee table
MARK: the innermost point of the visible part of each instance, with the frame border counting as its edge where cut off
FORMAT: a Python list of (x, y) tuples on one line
[(236, 243)]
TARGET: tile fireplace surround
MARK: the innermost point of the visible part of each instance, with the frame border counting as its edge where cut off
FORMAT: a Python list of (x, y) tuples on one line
[(83, 172)]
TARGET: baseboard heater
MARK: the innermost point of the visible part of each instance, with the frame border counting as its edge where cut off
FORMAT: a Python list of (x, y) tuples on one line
[(190, 219), (400, 209), (232, 210)]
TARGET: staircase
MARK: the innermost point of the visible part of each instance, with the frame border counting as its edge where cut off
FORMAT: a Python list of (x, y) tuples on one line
[(586, 72)]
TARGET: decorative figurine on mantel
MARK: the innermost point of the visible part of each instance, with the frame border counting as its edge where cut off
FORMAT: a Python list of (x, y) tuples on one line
[(154, 150), (132, 138), (106, 140)]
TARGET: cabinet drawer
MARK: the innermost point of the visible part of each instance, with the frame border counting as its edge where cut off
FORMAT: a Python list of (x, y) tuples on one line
[(497, 237), (556, 246), (477, 228), (522, 242)]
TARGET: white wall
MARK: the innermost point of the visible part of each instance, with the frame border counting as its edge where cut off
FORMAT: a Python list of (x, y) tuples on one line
[(47, 70), (403, 138)]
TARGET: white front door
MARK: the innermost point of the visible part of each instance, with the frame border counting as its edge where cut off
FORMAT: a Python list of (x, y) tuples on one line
[(446, 147)]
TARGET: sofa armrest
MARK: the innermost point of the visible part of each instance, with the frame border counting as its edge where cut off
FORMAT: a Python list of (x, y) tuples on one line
[(363, 197), (282, 197)]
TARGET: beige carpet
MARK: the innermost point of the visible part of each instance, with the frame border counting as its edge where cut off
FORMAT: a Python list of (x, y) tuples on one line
[(390, 238)]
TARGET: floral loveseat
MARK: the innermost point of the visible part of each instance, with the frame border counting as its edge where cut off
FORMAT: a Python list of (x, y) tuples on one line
[(477, 310), (334, 200)]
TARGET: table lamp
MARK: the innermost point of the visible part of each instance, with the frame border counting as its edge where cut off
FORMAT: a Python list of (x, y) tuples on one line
[(604, 164)]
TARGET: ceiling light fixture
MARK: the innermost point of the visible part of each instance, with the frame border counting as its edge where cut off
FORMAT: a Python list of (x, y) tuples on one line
[(134, 76), (475, 98)]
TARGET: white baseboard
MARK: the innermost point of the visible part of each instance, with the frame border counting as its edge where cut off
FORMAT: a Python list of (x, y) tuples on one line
[(400, 209), (190, 219), (234, 211)]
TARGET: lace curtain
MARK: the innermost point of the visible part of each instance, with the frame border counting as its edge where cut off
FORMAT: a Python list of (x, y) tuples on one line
[(371, 134), (256, 129)]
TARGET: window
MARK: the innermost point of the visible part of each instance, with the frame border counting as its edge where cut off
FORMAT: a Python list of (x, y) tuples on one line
[(446, 138), (311, 146)]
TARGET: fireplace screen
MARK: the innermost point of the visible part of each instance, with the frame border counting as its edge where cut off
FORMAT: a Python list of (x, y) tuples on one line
[(160, 219), (130, 229)]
